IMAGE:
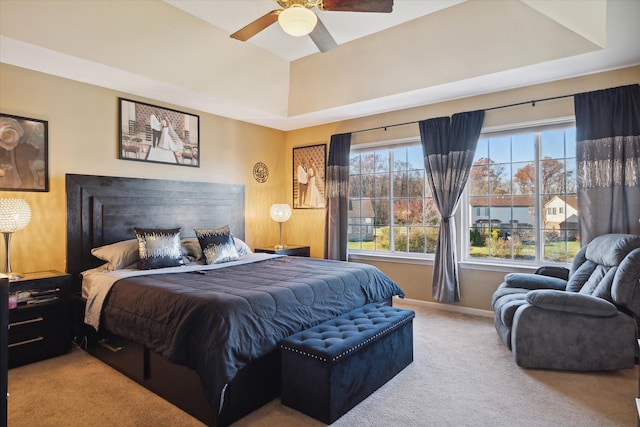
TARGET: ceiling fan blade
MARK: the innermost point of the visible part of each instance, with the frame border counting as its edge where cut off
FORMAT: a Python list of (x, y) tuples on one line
[(321, 37), (245, 33), (380, 6)]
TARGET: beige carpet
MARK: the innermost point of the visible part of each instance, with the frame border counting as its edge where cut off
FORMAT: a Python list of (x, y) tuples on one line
[(462, 376)]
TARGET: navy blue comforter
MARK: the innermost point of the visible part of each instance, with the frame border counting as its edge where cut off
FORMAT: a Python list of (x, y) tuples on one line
[(218, 321)]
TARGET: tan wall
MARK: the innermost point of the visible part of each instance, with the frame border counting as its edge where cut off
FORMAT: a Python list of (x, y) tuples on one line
[(83, 126), (83, 139), (476, 286), (380, 60)]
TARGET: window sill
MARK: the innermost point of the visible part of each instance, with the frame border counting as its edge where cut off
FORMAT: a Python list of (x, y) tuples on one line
[(399, 259), (499, 267), (466, 265)]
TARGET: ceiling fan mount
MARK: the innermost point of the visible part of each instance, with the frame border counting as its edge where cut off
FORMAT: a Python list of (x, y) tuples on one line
[(297, 19), (285, 4)]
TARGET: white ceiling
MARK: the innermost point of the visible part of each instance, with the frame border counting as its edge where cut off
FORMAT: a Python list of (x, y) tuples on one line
[(231, 15), (179, 52)]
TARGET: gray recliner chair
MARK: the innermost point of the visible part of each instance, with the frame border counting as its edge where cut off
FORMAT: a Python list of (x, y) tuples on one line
[(585, 321)]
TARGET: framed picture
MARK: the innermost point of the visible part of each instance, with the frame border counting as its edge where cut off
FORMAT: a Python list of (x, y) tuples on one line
[(24, 161), (309, 166), (149, 133)]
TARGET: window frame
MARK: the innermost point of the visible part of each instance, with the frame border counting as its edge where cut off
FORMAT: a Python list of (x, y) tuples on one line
[(465, 214), (394, 256), (462, 215)]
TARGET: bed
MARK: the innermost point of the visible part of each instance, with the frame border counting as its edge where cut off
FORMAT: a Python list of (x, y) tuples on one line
[(204, 338)]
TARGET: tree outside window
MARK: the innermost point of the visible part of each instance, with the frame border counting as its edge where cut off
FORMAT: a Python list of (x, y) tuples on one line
[(513, 178), (390, 206), (520, 199)]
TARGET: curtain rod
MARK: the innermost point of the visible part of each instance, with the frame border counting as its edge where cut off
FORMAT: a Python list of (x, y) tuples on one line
[(532, 102)]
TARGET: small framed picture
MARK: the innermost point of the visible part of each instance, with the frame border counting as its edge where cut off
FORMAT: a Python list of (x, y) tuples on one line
[(149, 133), (309, 166), (24, 161)]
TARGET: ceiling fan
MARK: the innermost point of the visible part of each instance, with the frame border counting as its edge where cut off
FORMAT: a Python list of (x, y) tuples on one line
[(297, 19)]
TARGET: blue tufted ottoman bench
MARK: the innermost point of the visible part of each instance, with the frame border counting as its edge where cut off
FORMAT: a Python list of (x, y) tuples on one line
[(330, 368)]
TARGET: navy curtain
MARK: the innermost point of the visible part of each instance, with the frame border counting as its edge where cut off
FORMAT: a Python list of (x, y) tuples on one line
[(337, 188), (448, 146), (608, 157)]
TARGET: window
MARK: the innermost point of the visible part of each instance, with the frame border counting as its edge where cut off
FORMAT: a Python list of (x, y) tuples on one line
[(390, 206), (526, 181)]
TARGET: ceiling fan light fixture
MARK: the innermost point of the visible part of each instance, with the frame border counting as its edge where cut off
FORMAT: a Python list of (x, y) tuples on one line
[(297, 20)]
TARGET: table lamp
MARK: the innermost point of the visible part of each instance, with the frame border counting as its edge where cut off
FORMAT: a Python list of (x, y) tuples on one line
[(14, 216), (280, 213)]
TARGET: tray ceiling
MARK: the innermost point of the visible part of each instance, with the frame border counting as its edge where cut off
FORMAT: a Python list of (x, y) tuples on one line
[(179, 52)]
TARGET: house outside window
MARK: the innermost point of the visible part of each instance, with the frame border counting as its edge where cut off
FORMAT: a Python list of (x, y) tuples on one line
[(519, 203), (526, 182), (391, 210)]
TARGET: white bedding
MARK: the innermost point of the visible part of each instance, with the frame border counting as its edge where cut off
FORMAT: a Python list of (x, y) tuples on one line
[(97, 282)]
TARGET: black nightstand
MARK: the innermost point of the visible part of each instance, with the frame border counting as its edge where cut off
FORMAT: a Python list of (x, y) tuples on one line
[(288, 250), (40, 325)]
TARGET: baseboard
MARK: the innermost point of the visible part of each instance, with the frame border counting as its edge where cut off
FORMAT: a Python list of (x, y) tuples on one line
[(449, 307)]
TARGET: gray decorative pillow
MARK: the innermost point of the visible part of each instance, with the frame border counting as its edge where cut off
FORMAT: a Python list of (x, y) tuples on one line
[(217, 244), (158, 248)]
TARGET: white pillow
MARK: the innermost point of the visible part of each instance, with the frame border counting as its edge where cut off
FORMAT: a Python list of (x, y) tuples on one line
[(191, 248), (241, 247), (118, 255)]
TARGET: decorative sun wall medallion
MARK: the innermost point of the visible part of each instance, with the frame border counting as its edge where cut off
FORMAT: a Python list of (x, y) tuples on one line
[(260, 172)]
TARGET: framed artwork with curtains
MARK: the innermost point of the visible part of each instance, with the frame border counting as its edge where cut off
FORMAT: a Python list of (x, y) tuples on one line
[(24, 164), (309, 167)]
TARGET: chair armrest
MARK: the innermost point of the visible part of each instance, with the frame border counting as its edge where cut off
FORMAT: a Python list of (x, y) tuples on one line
[(533, 281), (559, 272), (571, 302)]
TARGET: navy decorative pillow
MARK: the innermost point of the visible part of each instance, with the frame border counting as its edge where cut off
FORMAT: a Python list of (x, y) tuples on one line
[(217, 244), (158, 248)]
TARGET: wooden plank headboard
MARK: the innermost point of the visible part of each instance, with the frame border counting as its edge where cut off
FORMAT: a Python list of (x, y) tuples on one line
[(105, 209)]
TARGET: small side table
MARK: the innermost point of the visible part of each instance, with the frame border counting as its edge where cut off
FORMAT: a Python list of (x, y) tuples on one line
[(40, 325), (291, 250)]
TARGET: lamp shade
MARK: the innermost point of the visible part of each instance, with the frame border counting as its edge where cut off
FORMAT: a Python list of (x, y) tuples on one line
[(280, 212), (14, 215), (297, 20)]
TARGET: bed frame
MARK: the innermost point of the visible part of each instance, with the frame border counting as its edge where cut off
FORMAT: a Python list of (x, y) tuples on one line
[(103, 210)]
